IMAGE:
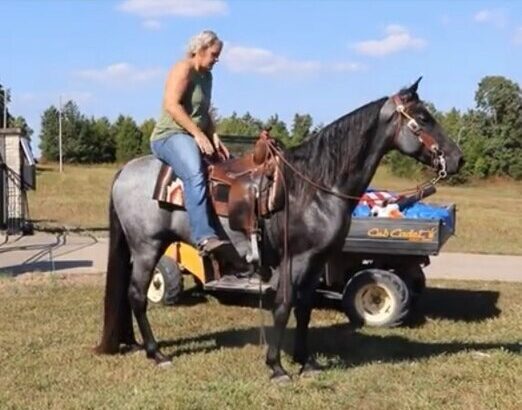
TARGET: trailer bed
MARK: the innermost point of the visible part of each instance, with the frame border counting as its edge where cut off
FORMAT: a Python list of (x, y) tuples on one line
[(404, 236)]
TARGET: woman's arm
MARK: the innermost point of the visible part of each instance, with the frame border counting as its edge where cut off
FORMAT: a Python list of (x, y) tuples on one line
[(177, 82)]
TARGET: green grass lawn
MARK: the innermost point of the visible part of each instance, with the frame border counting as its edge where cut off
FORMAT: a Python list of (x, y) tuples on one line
[(464, 353), (488, 213)]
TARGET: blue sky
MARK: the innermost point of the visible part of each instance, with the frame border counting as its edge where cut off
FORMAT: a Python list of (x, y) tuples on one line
[(324, 58)]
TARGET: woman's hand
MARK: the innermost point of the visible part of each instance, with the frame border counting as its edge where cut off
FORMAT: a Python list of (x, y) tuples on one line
[(220, 147), (204, 144)]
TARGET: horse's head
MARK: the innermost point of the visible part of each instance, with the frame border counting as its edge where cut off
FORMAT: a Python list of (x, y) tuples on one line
[(416, 133)]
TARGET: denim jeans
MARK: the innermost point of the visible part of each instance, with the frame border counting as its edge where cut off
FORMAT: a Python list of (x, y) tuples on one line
[(181, 152)]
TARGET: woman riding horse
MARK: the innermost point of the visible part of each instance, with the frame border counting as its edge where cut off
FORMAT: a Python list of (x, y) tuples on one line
[(324, 177)]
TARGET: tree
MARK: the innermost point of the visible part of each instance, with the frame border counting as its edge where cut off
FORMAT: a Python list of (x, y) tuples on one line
[(128, 139), (241, 126), (4, 92), (49, 134), (278, 129), (301, 126), (103, 144), (20, 122), (75, 134), (499, 100), (146, 129)]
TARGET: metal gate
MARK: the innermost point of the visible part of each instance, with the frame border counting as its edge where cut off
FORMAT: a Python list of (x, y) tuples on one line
[(3, 186)]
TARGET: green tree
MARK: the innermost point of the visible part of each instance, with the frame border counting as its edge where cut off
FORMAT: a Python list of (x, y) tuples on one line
[(75, 134), (49, 134), (20, 122), (246, 125), (499, 100), (128, 138), (301, 127), (278, 129), (146, 131), (102, 141), (4, 93)]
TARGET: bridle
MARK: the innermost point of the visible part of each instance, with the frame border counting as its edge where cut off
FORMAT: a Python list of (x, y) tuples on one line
[(425, 138)]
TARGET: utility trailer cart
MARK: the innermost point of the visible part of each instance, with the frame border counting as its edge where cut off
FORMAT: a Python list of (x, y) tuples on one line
[(377, 278)]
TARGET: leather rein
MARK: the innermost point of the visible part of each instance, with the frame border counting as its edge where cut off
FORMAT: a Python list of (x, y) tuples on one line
[(424, 137)]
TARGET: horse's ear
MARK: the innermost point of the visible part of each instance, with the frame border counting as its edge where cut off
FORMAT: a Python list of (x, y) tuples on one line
[(415, 85), (410, 93)]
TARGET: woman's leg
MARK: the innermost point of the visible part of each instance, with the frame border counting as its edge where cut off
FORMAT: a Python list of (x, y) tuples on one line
[(181, 152)]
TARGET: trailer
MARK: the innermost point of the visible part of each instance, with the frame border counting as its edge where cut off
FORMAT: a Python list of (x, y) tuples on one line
[(377, 278)]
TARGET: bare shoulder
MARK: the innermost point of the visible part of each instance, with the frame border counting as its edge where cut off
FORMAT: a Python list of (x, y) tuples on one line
[(181, 69)]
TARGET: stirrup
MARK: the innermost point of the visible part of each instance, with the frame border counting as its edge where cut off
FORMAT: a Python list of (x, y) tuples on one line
[(209, 245)]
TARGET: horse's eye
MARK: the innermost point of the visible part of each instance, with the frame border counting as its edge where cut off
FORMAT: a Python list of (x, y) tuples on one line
[(423, 117)]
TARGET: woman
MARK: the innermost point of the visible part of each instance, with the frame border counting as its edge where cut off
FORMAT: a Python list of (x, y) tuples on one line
[(184, 132)]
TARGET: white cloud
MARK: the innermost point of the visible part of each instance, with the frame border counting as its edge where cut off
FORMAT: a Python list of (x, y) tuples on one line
[(120, 74), (495, 17), (162, 8), (398, 39), (518, 36), (261, 61), (151, 24), (346, 66)]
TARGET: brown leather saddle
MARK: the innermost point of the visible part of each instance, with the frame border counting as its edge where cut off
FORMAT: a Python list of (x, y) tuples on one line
[(241, 189)]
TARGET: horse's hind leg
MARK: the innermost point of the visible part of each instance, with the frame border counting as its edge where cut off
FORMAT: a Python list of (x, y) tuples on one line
[(143, 266)]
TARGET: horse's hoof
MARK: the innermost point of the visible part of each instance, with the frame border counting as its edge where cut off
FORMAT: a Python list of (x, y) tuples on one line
[(130, 349), (310, 368), (280, 379), (161, 360), (164, 365)]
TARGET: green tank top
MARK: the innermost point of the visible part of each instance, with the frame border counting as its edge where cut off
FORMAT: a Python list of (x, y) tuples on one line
[(196, 102)]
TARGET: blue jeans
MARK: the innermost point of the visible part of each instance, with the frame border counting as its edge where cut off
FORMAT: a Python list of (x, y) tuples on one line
[(181, 152)]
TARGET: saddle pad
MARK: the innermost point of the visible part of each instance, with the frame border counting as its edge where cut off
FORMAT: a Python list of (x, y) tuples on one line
[(169, 188)]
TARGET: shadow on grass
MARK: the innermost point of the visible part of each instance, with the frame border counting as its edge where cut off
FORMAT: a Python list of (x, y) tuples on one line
[(43, 267), (340, 344), (456, 304), (436, 303)]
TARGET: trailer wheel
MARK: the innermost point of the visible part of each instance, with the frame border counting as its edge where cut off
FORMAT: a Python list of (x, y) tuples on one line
[(376, 298), (416, 279), (167, 282)]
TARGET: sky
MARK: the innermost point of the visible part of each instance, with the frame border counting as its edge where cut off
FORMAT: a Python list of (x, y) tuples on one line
[(324, 58)]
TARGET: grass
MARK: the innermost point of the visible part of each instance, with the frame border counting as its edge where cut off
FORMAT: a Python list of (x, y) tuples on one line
[(488, 218), (466, 354)]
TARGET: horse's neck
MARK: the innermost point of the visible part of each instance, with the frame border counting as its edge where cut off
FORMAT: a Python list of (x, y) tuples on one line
[(361, 173)]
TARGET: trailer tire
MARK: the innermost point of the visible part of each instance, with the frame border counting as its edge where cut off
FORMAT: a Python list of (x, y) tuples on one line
[(166, 285), (415, 278), (376, 298)]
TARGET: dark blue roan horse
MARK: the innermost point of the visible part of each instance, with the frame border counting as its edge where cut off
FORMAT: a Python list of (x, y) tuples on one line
[(342, 157)]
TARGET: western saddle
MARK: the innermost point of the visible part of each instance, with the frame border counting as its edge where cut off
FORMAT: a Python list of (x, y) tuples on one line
[(241, 189)]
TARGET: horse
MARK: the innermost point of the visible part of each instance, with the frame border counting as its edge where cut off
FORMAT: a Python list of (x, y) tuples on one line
[(324, 177)]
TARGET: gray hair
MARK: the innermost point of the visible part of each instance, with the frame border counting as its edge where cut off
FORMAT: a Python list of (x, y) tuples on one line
[(201, 41)]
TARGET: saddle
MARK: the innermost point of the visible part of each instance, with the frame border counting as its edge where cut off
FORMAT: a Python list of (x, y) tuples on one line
[(241, 189)]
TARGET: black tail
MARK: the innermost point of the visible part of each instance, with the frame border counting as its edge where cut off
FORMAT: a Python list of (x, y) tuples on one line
[(117, 321)]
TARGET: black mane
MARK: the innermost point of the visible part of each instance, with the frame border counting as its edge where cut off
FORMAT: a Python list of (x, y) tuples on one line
[(328, 155)]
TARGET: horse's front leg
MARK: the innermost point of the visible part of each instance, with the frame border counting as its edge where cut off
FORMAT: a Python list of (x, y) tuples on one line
[(281, 312), (302, 312)]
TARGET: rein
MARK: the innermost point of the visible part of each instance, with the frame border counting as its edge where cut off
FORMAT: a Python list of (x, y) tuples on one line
[(425, 138), (273, 150)]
